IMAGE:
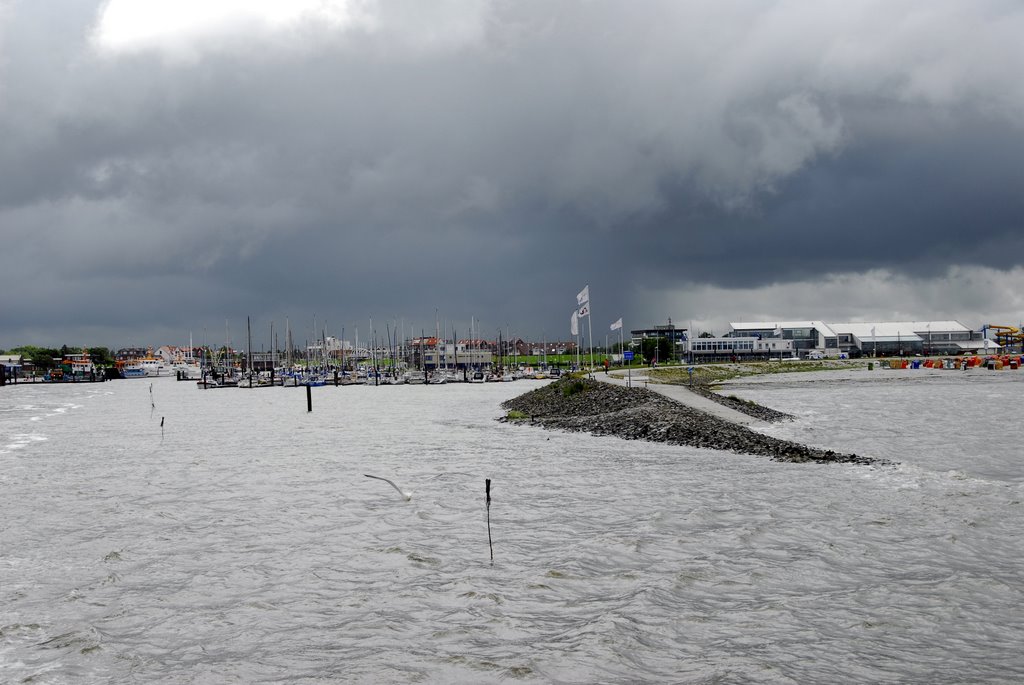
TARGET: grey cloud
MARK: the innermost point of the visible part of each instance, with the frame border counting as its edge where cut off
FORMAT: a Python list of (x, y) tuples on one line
[(498, 155)]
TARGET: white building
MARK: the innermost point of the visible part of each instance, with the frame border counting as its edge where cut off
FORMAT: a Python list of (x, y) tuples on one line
[(452, 356), (808, 338), (891, 338), (724, 349), (888, 338)]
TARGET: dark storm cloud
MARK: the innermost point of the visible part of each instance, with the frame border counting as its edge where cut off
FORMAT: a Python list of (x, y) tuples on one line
[(916, 204), (488, 159)]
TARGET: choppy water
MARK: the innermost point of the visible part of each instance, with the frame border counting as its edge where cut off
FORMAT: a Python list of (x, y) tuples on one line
[(243, 544)]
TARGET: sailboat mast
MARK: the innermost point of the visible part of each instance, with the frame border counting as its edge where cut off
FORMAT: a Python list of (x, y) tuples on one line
[(288, 341), (248, 361)]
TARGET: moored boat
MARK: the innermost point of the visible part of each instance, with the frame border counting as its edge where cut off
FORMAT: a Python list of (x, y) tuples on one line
[(130, 368)]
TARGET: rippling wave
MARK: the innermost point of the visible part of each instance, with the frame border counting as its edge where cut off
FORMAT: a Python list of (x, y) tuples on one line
[(242, 542)]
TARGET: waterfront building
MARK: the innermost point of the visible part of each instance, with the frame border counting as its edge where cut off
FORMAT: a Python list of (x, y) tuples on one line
[(11, 361), (899, 338), (817, 339), (333, 349), (809, 338), (12, 365), (434, 354), (675, 335), (737, 348)]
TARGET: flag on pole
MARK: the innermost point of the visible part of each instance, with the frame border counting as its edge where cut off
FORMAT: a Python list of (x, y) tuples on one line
[(778, 330), (574, 323), (617, 325), (584, 296), (584, 311), (872, 331)]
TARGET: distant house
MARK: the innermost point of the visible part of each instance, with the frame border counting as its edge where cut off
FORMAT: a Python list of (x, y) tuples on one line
[(477, 344), (130, 353), (15, 366), (556, 347)]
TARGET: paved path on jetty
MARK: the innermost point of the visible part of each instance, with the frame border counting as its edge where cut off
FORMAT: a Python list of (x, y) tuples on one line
[(681, 395)]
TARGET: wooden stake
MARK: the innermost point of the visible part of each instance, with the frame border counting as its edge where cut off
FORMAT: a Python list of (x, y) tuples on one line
[(309, 398), (487, 488)]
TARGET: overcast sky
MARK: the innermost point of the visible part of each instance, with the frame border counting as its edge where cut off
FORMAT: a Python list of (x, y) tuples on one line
[(167, 166)]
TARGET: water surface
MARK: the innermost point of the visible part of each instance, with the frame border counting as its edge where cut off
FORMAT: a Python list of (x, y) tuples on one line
[(242, 542)]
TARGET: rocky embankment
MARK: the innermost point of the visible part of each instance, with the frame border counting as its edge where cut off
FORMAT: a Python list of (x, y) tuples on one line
[(640, 414), (743, 406)]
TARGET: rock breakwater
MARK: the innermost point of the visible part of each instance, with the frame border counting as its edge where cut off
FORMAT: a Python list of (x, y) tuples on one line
[(753, 409), (639, 414)]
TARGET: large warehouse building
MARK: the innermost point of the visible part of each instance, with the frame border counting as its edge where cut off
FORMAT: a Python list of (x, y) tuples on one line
[(891, 338)]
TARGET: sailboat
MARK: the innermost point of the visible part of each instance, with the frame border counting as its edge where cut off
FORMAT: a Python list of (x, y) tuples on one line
[(187, 367)]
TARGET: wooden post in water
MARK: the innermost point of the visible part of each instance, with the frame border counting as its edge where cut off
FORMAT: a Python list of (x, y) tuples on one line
[(487, 489), (335, 378), (309, 398)]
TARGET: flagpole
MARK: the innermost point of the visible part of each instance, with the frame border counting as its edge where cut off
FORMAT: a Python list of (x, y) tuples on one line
[(579, 344), (622, 351), (590, 332)]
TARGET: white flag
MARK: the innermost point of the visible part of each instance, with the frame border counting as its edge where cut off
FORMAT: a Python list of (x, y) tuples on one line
[(574, 326), (778, 330), (617, 325), (584, 311), (584, 296), (872, 331)]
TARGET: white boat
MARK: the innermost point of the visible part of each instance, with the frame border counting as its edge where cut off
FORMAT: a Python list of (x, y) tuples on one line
[(415, 378), (131, 368), (187, 370), (153, 367)]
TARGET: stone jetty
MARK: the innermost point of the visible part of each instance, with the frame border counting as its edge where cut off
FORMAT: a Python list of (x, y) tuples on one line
[(584, 405)]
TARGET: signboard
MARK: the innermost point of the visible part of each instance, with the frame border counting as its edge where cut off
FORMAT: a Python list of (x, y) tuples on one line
[(628, 355)]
